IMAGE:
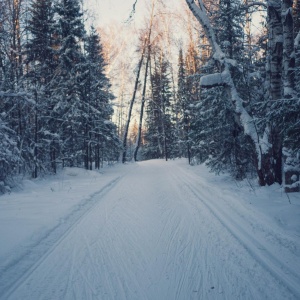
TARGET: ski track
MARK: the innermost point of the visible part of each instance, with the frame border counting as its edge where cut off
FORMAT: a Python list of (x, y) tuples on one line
[(281, 262), (23, 265), (159, 232)]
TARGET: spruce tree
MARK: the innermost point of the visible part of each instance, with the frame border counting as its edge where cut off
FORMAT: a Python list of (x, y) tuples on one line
[(182, 108), (40, 63), (217, 136), (68, 105), (9, 156), (100, 133), (160, 132)]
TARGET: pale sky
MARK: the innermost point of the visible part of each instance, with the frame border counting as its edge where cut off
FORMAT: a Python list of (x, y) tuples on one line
[(106, 11)]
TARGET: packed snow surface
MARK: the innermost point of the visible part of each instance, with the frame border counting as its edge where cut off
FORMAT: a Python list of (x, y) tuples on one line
[(150, 230)]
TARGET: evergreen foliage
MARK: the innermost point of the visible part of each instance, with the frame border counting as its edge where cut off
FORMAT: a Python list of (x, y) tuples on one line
[(99, 131), (55, 96), (55, 107), (182, 112), (159, 138)]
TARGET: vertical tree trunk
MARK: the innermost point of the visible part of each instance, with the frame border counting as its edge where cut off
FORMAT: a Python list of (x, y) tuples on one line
[(86, 149), (36, 137), (270, 165), (281, 82), (275, 46), (90, 156), (53, 159), (297, 64), (97, 153), (288, 49), (269, 157), (138, 142), (131, 104)]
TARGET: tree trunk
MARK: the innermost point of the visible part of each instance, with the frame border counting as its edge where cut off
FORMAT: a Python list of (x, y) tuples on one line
[(297, 64), (86, 149), (163, 123), (138, 142), (268, 157), (131, 104), (288, 49), (36, 138), (275, 47), (90, 156)]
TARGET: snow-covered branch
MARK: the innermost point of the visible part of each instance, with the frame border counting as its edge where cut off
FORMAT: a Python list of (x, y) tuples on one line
[(225, 77), (297, 40), (200, 13), (255, 3), (212, 80)]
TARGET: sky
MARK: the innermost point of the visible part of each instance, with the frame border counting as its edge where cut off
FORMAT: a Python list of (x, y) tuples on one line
[(106, 11)]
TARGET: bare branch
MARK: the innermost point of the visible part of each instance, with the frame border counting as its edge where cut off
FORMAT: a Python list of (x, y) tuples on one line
[(132, 11)]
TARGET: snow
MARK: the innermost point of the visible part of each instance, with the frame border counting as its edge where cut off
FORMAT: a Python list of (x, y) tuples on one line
[(149, 230), (297, 40), (211, 80), (288, 91)]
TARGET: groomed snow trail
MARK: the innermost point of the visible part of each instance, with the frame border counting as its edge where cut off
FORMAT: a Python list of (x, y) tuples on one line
[(160, 233)]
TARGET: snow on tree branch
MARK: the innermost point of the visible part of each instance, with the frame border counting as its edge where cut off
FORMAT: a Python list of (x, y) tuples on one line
[(246, 120), (200, 13), (212, 80), (256, 3), (297, 40)]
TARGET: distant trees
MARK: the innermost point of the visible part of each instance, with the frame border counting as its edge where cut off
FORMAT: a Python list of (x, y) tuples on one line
[(159, 135), (55, 97), (99, 131), (221, 96), (182, 109), (237, 102)]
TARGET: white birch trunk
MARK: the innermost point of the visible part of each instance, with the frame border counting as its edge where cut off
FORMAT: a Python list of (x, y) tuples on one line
[(288, 49), (124, 150), (268, 148), (246, 120)]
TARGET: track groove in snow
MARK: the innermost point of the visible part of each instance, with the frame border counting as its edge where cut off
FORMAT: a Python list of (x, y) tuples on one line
[(162, 232), (23, 266), (275, 264)]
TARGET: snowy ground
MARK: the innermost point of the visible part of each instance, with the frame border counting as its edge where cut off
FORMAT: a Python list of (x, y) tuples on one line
[(151, 230)]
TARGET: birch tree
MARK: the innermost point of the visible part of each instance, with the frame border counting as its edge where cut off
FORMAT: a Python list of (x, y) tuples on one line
[(124, 143), (268, 144), (148, 48)]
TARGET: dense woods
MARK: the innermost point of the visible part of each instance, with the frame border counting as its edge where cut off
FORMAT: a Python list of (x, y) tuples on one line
[(236, 106), (55, 107), (216, 91)]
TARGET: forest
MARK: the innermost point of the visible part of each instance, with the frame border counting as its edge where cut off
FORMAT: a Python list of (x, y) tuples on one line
[(224, 90)]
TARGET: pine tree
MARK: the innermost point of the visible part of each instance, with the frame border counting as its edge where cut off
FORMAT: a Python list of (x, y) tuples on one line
[(159, 136), (100, 133), (228, 22), (9, 156), (40, 71), (15, 103), (68, 105), (182, 108)]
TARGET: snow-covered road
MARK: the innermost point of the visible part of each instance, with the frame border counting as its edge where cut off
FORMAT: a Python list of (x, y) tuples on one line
[(159, 231)]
